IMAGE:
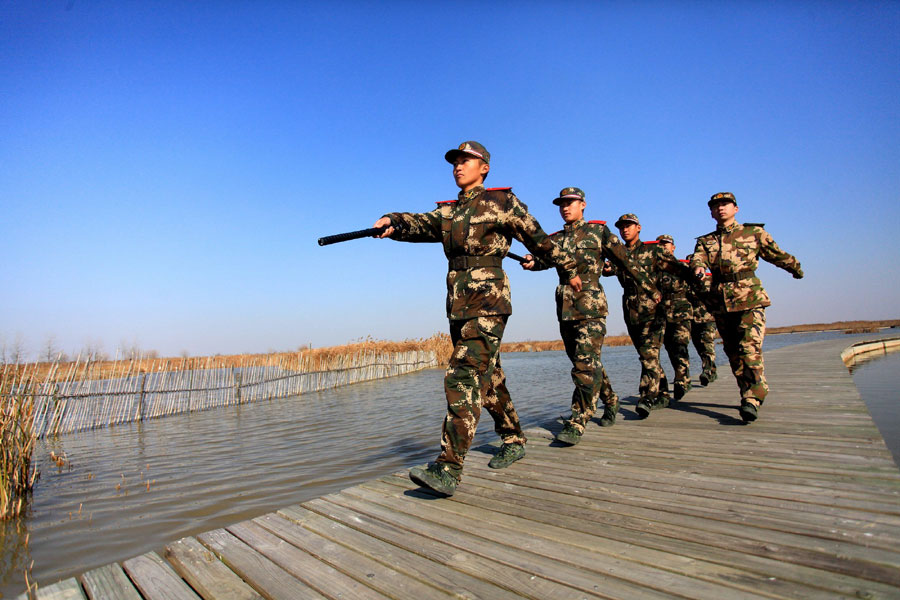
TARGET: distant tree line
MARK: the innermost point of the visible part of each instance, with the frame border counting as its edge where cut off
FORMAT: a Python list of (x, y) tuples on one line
[(15, 350)]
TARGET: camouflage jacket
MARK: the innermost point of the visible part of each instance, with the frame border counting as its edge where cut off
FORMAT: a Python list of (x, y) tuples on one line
[(647, 257), (589, 243), (476, 230), (674, 288), (695, 295), (732, 254)]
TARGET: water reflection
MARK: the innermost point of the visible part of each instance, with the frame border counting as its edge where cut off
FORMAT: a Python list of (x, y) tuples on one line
[(133, 488)]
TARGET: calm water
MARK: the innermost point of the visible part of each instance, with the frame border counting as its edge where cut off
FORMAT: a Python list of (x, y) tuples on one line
[(877, 380), (133, 488)]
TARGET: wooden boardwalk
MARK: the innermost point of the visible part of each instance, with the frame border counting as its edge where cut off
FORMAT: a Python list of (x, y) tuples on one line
[(690, 503)]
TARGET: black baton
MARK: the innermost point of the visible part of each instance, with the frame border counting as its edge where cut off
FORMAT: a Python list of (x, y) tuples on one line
[(351, 235)]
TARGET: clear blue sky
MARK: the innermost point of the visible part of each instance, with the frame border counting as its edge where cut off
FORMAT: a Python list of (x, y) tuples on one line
[(166, 168)]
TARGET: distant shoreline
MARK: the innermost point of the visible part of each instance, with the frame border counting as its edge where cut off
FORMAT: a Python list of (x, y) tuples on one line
[(624, 340)]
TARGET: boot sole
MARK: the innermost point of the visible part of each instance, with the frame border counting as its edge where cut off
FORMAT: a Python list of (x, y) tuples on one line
[(425, 484), (748, 416)]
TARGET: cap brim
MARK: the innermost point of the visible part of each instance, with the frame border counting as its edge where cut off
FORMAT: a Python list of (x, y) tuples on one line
[(620, 221), (451, 155), (720, 201), (561, 199)]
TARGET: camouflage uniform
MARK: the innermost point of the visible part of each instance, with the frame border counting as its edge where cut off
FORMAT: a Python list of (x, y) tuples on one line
[(582, 315), (678, 315), (737, 299), (645, 319), (703, 329), (476, 230)]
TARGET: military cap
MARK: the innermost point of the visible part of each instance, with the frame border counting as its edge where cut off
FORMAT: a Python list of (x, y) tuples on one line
[(471, 148), (722, 197), (665, 239), (627, 218), (569, 193)]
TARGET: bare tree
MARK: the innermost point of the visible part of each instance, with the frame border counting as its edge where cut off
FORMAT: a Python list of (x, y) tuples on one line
[(50, 351), (93, 350), (17, 353), (130, 349)]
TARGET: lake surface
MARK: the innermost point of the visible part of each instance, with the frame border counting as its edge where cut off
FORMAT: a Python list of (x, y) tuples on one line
[(878, 380), (133, 488)]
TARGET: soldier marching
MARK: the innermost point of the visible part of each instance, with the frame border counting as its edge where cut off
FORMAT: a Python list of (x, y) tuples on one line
[(582, 315), (476, 230), (737, 299)]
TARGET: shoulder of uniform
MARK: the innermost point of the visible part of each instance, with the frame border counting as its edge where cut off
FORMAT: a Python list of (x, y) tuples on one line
[(760, 225), (498, 189), (555, 232), (598, 222), (446, 202), (706, 235), (684, 260), (650, 243)]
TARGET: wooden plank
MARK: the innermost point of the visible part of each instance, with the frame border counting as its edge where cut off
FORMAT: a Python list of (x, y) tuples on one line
[(156, 580), (776, 574), (547, 460), (866, 499), (267, 578), (578, 531), (426, 562), (302, 565), (206, 573), (390, 582), (815, 551), (563, 545), (442, 551), (739, 518), (520, 559), (67, 589), (108, 583)]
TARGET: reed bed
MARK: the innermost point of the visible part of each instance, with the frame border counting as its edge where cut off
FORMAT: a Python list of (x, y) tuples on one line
[(17, 440), (533, 346), (76, 396)]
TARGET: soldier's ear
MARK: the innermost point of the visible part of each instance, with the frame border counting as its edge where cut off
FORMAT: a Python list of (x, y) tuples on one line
[(485, 168)]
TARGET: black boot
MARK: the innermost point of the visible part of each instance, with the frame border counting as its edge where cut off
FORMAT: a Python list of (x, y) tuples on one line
[(610, 410)]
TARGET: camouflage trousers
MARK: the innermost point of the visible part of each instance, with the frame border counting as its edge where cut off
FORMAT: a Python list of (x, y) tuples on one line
[(676, 339), (475, 378), (742, 339), (583, 341), (703, 334), (647, 338)]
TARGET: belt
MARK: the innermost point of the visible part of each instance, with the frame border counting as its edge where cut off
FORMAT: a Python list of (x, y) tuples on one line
[(460, 263), (719, 277)]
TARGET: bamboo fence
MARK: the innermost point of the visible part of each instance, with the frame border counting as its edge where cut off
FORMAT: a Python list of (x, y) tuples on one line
[(80, 396)]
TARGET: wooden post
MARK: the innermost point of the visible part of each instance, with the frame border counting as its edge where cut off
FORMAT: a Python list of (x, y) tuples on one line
[(141, 398)]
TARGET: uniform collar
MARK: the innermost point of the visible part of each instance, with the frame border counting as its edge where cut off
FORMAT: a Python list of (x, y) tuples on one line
[(573, 226), (471, 194), (728, 229), (637, 244)]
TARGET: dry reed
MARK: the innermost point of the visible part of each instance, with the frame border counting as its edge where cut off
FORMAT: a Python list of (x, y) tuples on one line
[(535, 346), (17, 441)]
